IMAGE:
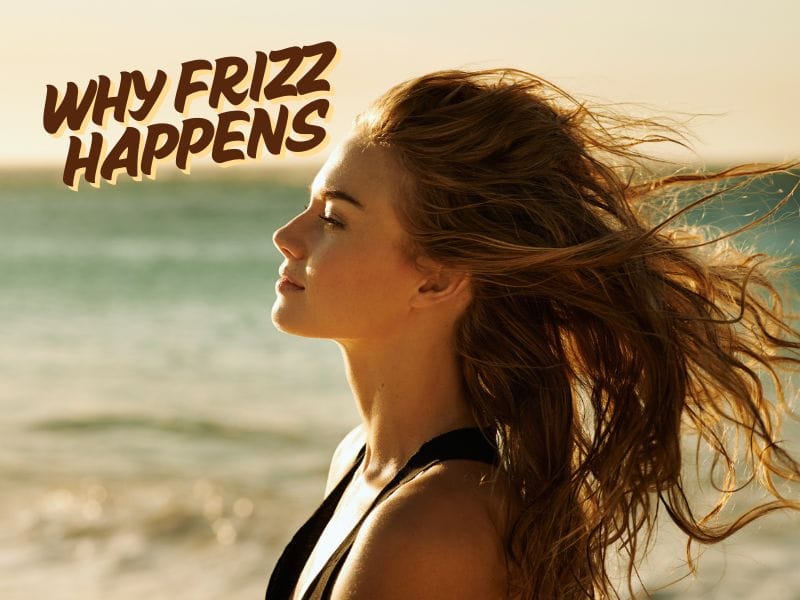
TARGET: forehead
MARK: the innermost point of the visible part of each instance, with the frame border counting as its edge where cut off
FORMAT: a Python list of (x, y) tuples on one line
[(363, 170)]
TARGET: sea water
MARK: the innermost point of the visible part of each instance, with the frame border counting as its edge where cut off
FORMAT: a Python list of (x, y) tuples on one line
[(160, 438)]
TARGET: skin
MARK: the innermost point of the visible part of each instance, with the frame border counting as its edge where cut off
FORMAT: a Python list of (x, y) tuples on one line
[(394, 323)]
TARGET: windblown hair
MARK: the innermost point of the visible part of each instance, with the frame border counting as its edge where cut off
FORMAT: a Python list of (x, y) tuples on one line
[(598, 337)]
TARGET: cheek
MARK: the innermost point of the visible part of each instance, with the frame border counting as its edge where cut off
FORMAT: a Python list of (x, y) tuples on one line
[(362, 283)]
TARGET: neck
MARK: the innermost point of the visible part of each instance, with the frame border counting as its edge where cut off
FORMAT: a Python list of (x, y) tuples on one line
[(408, 390)]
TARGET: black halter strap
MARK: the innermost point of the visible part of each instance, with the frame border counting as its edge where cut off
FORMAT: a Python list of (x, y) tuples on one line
[(468, 443), (290, 564)]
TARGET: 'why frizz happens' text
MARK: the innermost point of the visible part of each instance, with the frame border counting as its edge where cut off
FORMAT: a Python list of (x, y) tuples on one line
[(273, 81)]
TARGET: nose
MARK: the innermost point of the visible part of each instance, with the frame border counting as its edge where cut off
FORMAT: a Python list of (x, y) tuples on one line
[(287, 241)]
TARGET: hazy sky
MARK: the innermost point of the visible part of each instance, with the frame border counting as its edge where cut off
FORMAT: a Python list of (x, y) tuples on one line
[(736, 58)]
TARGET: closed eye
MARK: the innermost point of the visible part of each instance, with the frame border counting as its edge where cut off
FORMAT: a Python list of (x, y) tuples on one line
[(328, 220), (332, 222)]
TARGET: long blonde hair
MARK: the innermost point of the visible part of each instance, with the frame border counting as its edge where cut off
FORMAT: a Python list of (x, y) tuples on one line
[(595, 338)]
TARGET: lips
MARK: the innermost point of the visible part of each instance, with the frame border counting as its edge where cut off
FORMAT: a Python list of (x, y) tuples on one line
[(285, 277)]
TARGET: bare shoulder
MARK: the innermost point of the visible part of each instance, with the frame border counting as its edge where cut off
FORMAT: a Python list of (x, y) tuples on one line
[(433, 539), (344, 455)]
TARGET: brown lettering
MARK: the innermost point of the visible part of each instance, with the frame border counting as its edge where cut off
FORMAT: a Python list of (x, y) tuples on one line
[(224, 135), (89, 163), (105, 100), (277, 86), (148, 96), (223, 84), (187, 87), (186, 146), (261, 131), (258, 76), (300, 126), (70, 110), (309, 83), (152, 151), (124, 155)]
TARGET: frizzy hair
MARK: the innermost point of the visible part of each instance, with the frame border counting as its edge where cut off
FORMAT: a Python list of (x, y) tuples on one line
[(595, 339)]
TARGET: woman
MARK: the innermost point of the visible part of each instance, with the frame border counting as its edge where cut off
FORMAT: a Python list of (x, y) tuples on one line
[(524, 348)]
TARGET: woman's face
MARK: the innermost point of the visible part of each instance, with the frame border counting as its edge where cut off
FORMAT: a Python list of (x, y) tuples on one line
[(346, 253)]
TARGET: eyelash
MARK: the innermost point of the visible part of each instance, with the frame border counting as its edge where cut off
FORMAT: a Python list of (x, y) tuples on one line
[(331, 222), (328, 220)]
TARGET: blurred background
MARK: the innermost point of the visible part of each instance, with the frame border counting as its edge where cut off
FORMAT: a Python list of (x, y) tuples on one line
[(159, 436)]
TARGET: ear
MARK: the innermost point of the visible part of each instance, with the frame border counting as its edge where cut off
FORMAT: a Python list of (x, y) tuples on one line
[(439, 284)]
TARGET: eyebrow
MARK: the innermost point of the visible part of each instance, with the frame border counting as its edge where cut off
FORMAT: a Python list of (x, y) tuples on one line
[(332, 193)]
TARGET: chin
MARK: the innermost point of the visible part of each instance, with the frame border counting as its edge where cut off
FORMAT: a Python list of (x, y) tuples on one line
[(281, 318), (284, 321)]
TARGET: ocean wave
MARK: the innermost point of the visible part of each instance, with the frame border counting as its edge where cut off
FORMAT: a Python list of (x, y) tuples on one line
[(183, 426), (199, 538), (137, 249)]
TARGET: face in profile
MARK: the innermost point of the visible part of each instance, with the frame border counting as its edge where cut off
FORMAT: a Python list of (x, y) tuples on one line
[(345, 250)]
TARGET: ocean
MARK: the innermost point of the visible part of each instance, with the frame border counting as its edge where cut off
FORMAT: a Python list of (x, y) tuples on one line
[(160, 438)]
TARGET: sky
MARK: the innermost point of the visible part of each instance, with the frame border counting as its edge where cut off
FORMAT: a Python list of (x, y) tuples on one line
[(735, 62)]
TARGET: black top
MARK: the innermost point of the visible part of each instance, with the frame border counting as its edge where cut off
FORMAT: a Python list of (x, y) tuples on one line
[(469, 443)]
